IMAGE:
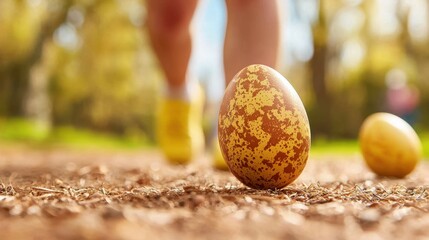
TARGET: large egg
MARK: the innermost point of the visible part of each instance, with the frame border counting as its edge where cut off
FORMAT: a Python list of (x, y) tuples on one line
[(389, 145), (264, 133)]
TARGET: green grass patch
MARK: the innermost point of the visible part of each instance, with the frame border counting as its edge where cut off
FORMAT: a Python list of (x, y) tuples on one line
[(32, 133), (425, 143), (350, 146), (28, 132), (22, 130), (80, 138), (337, 147)]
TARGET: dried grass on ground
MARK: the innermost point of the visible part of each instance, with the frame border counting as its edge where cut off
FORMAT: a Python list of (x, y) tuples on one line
[(64, 194)]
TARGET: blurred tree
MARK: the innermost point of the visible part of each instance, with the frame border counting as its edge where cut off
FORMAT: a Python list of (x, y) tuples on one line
[(414, 22), (356, 43), (320, 112), (105, 79), (26, 25)]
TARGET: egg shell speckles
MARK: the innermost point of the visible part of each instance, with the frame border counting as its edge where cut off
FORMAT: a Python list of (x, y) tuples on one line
[(389, 145), (264, 133)]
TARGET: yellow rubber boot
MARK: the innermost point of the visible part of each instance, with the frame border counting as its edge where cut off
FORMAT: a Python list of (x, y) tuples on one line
[(179, 130)]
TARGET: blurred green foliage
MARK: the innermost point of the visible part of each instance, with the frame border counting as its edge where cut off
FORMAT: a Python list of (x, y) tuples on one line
[(78, 63), (98, 85)]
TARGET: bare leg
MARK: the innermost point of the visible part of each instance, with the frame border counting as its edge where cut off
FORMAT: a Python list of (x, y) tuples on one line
[(252, 35), (178, 130), (169, 31)]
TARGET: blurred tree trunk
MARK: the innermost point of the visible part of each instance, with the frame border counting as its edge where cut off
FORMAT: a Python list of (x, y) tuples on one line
[(321, 111), (18, 77), (15, 76), (13, 87)]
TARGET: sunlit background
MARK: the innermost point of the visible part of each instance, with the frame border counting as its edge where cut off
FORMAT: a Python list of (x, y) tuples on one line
[(76, 69)]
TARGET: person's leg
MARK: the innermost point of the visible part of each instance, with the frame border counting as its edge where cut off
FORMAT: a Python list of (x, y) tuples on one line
[(252, 35), (179, 131), (169, 23)]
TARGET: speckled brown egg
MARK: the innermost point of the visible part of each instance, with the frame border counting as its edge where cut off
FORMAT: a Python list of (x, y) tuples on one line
[(264, 133)]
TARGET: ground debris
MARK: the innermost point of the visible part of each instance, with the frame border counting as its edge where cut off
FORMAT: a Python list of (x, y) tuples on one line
[(76, 197)]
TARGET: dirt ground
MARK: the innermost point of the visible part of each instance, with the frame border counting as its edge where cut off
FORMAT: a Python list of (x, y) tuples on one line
[(64, 194)]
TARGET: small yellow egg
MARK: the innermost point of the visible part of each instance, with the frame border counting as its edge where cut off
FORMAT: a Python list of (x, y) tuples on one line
[(389, 145), (264, 133)]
